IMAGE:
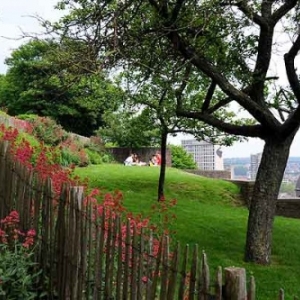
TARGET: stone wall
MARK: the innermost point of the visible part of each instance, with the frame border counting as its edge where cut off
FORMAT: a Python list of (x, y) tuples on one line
[(211, 174), (289, 207), (246, 190), (120, 154)]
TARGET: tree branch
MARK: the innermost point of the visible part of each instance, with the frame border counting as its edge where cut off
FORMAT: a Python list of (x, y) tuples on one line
[(209, 95), (176, 10), (289, 59), (264, 52), (292, 123), (283, 10), (262, 115), (250, 14), (266, 8), (218, 105), (243, 130), (184, 82)]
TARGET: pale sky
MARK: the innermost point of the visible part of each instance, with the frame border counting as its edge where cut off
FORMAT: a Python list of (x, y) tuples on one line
[(14, 18)]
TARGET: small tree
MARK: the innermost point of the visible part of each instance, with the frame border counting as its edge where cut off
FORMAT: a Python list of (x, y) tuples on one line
[(181, 159)]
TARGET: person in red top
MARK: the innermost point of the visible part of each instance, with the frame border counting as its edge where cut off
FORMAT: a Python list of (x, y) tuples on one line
[(158, 158)]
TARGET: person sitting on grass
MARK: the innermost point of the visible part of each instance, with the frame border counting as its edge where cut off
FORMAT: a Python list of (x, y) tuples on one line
[(152, 161), (129, 161), (137, 161), (158, 158)]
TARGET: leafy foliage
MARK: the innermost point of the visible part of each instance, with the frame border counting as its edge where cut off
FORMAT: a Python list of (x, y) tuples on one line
[(18, 272), (181, 159), (40, 80), (132, 129)]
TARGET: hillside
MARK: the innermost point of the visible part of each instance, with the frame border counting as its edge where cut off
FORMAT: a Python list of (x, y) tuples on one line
[(208, 213)]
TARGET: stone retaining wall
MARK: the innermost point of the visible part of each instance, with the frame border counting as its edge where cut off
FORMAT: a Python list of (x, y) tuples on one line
[(211, 174), (289, 207)]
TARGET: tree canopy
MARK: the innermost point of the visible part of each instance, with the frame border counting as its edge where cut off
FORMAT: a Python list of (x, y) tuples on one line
[(41, 80), (223, 49)]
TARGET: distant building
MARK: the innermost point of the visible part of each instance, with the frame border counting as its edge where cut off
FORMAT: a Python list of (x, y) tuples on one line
[(254, 164), (206, 155)]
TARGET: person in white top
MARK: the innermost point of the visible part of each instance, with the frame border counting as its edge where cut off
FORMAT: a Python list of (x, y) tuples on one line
[(129, 160)]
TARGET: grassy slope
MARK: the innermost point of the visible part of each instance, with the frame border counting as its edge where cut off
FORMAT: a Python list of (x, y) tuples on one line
[(207, 214)]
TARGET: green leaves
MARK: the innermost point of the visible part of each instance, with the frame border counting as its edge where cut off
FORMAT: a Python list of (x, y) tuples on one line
[(46, 78), (17, 273), (181, 159)]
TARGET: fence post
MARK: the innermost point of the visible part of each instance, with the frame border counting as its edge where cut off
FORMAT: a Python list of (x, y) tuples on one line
[(235, 283), (251, 294), (281, 294)]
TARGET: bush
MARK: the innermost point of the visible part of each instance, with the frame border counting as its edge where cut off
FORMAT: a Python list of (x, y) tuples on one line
[(27, 117), (95, 157), (18, 272), (107, 158), (68, 157), (17, 276), (181, 159), (47, 130)]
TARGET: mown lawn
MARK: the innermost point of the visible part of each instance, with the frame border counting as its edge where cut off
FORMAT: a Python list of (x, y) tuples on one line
[(209, 214)]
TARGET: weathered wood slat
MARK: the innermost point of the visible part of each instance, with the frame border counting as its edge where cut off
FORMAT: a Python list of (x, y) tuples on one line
[(120, 261), (149, 267), (127, 261), (173, 273), (140, 266), (182, 282), (219, 283), (193, 274), (101, 254), (134, 260), (165, 268), (251, 294), (157, 271)]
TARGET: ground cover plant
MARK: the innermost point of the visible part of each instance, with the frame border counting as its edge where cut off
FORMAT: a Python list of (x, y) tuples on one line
[(70, 148), (208, 212)]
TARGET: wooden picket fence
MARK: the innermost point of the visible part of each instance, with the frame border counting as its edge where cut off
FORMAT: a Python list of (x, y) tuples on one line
[(89, 254)]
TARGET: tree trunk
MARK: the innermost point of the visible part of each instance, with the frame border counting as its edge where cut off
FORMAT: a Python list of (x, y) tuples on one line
[(264, 198), (162, 174)]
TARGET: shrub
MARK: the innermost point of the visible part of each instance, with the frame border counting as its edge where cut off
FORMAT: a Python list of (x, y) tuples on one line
[(107, 158), (95, 157), (181, 159), (73, 152), (68, 157), (27, 117), (29, 138), (48, 131), (18, 272)]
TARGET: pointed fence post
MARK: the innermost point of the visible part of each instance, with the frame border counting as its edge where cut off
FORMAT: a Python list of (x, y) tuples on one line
[(235, 283)]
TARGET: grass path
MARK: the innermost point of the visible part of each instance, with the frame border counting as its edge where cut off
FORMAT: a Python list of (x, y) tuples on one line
[(208, 214)]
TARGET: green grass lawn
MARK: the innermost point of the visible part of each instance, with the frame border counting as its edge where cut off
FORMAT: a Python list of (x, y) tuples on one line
[(208, 214)]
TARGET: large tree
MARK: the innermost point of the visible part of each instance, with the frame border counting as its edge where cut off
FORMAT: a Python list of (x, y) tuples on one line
[(43, 79), (230, 45)]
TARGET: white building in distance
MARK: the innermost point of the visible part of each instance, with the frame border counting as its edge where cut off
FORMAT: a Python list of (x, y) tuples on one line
[(254, 164), (206, 155)]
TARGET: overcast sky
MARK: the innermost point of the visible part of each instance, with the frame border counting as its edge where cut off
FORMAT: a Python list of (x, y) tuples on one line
[(15, 16)]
